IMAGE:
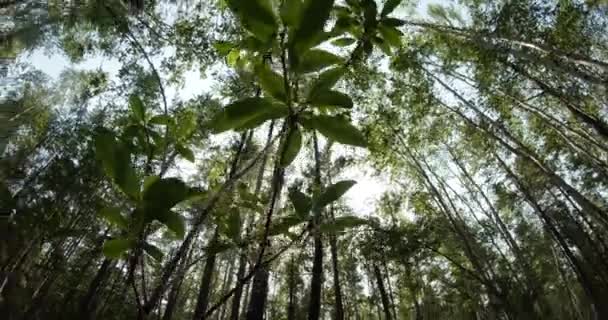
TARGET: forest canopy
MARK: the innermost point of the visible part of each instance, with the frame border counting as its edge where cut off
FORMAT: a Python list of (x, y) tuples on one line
[(303, 159)]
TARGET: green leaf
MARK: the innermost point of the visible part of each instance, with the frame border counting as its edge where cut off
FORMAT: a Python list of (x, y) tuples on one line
[(114, 249), (163, 194), (219, 247), (148, 181), (113, 216), (185, 152), (161, 120), (383, 45), (233, 226), (271, 82), (301, 203), (137, 106), (342, 223), (343, 42), (331, 98), (153, 251), (336, 128), (255, 16), (389, 6), (313, 19), (293, 146), (391, 35), (284, 224), (290, 12), (246, 113), (333, 193), (392, 22), (173, 221), (326, 80), (223, 47), (316, 59), (233, 57), (116, 161)]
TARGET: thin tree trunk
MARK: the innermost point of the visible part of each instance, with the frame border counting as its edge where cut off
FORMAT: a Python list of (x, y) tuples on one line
[(88, 300), (291, 307), (176, 288), (236, 298), (316, 280), (205, 287), (584, 279), (259, 292), (339, 308)]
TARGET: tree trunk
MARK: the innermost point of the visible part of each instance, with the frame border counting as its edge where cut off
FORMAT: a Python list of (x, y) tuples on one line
[(291, 307), (259, 292), (173, 297), (316, 281), (88, 300), (386, 305), (205, 287), (594, 294), (339, 308)]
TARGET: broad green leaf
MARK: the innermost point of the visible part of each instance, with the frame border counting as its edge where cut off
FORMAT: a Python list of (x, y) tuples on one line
[(391, 35), (255, 16), (383, 45), (301, 203), (389, 6), (113, 216), (291, 11), (161, 120), (369, 14), (163, 194), (314, 16), (233, 57), (333, 193), (185, 152), (342, 223), (252, 44), (246, 113), (153, 251), (116, 161), (343, 42), (271, 82), (331, 98), (233, 225), (114, 248), (316, 59), (219, 247), (276, 111), (326, 80), (392, 22), (293, 144), (138, 221), (284, 224), (6, 199), (223, 47), (137, 107), (173, 221), (148, 181), (336, 128)]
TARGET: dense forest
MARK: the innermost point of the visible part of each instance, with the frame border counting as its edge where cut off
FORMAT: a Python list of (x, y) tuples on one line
[(303, 159)]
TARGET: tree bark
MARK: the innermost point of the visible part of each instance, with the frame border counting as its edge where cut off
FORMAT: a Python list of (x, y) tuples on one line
[(205, 287), (259, 292), (339, 308), (386, 305), (88, 300)]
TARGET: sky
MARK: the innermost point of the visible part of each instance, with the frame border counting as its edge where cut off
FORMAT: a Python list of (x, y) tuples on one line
[(361, 198)]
